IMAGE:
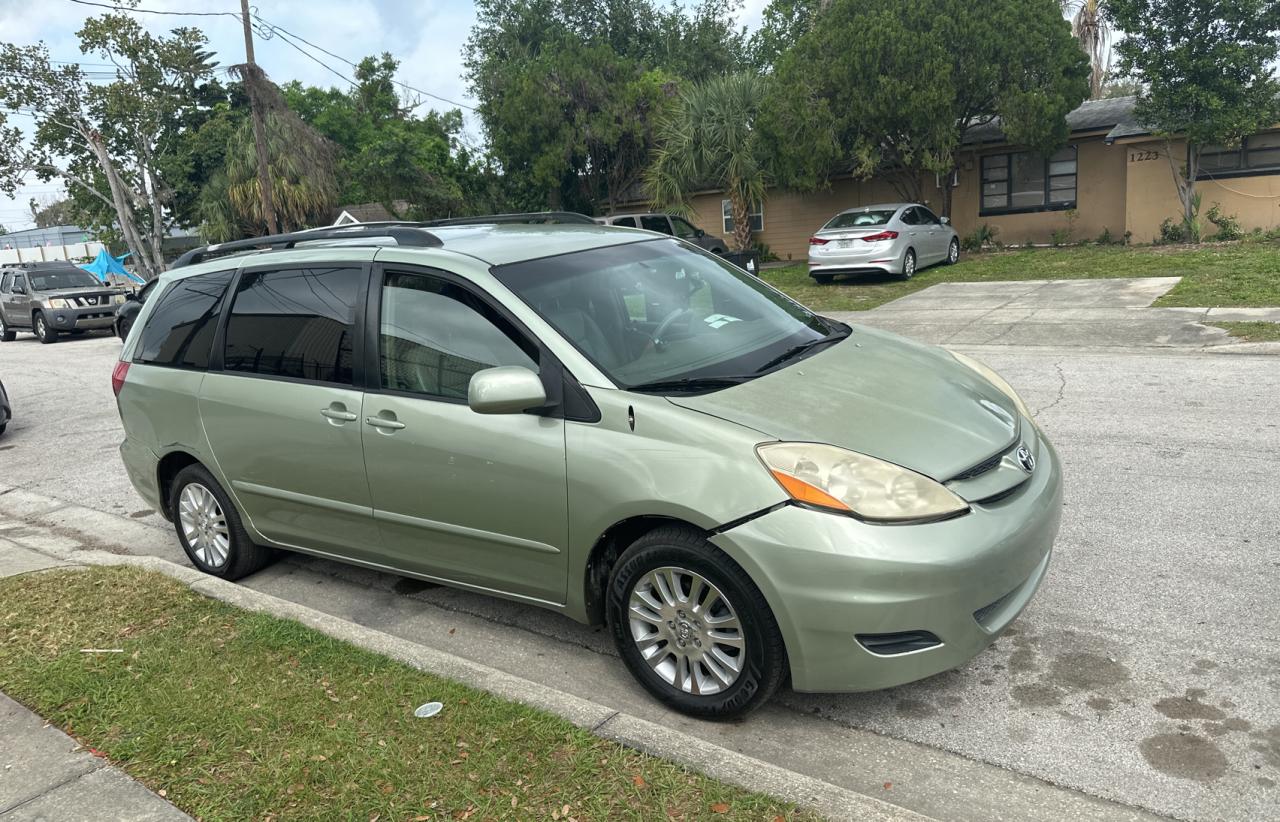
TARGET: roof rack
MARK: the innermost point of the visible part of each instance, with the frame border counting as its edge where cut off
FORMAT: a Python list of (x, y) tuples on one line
[(404, 233), (529, 217)]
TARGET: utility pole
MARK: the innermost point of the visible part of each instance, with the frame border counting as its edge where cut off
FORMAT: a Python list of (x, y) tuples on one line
[(255, 76)]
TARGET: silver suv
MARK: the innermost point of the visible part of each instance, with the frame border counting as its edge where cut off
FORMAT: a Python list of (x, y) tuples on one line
[(53, 298), (668, 224)]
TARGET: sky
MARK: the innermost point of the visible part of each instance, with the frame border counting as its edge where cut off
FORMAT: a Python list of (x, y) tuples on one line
[(427, 36)]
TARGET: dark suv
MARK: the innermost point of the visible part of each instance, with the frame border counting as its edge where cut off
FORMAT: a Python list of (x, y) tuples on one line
[(668, 224), (49, 298)]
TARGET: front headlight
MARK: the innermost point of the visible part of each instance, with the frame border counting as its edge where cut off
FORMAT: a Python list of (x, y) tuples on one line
[(996, 380), (118, 299), (58, 302), (833, 478)]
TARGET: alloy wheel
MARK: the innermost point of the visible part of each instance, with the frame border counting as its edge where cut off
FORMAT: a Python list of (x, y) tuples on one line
[(204, 525), (686, 631), (953, 253), (909, 264)]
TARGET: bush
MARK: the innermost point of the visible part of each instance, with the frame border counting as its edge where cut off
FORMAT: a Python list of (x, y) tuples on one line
[(981, 237), (1060, 236), (1228, 224), (1172, 233), (766, 253), (1105, 237)]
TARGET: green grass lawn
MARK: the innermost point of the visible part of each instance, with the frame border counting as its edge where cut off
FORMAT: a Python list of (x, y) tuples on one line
[(1252, 331), (237, 715), (1233, 274)]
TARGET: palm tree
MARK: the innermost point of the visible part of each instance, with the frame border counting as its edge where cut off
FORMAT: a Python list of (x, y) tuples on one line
[(1089, 27), (710, 141)]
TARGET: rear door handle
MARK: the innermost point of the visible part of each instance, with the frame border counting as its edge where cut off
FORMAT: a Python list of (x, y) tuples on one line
[(383, 422), (338, 414)]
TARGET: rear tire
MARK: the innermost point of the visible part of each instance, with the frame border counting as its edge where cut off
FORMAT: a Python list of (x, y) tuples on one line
[(7, 334), (210, 529), (692, 627), (823, 279), (909, 264), (45, 332), (122, 328)]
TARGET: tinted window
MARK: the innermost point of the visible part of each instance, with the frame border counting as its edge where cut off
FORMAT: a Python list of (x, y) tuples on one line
[(297, 323), (926, 216), (4, 282), (857, 219), (435, 335), (179, 331), (655, 222), (69, 277), (683, 230), (627, 222), (909, 216)]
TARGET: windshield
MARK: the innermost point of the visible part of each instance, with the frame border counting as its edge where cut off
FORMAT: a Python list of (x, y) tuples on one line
[(658, 311), (858, 219), (65, 278)]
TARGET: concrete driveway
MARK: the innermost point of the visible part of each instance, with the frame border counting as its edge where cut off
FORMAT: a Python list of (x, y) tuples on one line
[(1092, 313), (1145, 674)]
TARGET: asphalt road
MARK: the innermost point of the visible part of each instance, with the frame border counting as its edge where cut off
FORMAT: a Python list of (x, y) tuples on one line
[(1146, 671)]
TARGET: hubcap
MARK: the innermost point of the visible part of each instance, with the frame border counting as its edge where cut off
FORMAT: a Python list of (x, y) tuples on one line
[(203, 525), (687, 631), (955, 251), (911, 264)]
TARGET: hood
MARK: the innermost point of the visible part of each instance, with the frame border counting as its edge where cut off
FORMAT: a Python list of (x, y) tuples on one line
[(877, 394), (82, 291)]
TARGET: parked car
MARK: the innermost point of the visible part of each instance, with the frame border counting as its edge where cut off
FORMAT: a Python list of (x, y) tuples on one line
[(127, 312), (6, 410), (668, 224), (53, 298), (607, 424), (889, 238)]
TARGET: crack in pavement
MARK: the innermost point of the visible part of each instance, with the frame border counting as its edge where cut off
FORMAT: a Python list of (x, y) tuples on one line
[(1062, 387)]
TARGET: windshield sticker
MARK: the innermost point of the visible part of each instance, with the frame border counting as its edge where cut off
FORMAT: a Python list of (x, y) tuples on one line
[(717, 320)]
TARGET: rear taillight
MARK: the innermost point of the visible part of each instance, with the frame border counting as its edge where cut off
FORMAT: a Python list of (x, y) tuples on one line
[(883, 235), (818, 241), (117, 376)]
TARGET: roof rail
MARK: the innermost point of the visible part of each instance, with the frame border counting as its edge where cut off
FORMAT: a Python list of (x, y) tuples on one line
[(404, 233), (531, 217)]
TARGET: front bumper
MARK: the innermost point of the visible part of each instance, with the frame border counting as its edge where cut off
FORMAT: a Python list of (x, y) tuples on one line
[(829, 578), (69, 319)]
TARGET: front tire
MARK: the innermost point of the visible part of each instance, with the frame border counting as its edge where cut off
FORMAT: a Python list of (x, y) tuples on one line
[(122, 328), (953, 252), (210, 529), (45, 332), (7, 334), (909, 264), (692, 627)]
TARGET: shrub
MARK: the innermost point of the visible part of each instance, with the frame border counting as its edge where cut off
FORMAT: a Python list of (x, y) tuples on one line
[(981, 237), (766, 253), (1228, 225), (1060, 236), (1105, 237), (1172, 233)]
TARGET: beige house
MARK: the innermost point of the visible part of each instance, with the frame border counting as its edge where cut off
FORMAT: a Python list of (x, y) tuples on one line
[(1113, 176)]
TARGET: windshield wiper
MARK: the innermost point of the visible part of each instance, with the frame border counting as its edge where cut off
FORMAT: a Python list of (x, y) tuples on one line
[(797, 350), (690, 383)]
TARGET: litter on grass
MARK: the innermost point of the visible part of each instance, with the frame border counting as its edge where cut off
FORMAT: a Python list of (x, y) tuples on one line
[(429, 709)]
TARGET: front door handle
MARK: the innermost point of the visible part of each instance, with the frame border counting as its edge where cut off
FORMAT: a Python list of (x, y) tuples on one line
[(383, 422), (339, 412)]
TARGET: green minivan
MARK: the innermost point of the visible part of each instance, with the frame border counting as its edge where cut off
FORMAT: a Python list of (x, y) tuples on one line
[(605, 422)]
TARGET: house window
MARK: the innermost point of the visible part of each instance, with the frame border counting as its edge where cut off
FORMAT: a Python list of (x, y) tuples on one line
[(1258, 154), (756, 217), (1023, 181)]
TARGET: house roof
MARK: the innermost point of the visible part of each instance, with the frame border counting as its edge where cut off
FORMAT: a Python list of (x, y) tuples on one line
[(1115, 114)]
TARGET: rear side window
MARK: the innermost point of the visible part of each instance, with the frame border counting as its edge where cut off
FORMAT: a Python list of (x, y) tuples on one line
[(179, 332), (297, 323), (655, 222), (625, 222), (5, 281)]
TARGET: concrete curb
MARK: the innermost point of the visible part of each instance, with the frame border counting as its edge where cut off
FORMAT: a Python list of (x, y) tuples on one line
[(729, 766)]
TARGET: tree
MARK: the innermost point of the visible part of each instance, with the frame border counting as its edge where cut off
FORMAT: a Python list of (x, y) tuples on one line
[(922, 74), (49, 214), (108, 141), (1089, 27), (571, 91), (710, 140), (1207, 71)]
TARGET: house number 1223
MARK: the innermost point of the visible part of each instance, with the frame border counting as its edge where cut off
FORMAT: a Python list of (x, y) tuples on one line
[(1139, 156)]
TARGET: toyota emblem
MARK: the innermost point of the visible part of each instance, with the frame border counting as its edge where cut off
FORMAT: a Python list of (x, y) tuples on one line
[(1026, 459)]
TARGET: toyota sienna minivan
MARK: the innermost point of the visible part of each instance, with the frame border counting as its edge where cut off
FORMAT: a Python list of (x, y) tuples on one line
[(610, 424)]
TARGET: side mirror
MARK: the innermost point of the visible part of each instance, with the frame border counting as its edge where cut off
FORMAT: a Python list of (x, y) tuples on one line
[(697, 232), (508, 389), (132, 297), (945, 220)]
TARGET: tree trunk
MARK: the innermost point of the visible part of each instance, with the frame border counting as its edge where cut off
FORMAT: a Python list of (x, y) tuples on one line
[(124, 211), (741, 221), (1184, 179)]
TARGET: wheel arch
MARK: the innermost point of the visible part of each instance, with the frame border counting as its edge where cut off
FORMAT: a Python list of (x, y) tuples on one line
[(168, 467), (609, 546)]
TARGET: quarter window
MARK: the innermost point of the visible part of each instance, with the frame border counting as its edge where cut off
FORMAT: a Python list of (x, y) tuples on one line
[(434, 335), (655, 222), (1023, 181), (296, 323), (179, 332), (625, 222), (755, 217)]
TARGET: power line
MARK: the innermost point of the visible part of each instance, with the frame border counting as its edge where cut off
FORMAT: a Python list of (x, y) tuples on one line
[(114, 7)]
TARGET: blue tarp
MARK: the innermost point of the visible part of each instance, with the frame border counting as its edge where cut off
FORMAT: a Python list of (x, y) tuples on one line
[(105, 265)]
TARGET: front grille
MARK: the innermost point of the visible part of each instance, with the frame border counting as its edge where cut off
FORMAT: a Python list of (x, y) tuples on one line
[(903, 642), (981, 468)]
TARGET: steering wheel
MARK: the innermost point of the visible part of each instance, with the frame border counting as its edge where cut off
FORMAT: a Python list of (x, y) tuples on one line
[(667, 322)]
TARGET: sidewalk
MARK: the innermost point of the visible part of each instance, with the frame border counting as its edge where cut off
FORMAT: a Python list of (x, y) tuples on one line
[(47, 775)]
